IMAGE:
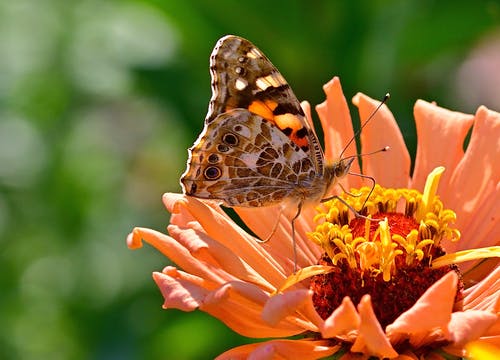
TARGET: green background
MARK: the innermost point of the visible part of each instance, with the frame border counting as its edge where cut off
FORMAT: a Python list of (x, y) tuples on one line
[(99, 101)]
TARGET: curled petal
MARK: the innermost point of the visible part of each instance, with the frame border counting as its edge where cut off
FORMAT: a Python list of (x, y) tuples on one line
[(305, 273), (469, 325), (237, 304), (391, 168), (297, 305), (174, 250), (181, 290), (281, 349), (371, 338), (431, 311), (193, 213), (343, 321), (214, 259)]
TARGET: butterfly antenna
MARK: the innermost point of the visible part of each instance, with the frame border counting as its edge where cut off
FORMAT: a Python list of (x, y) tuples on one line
[(385, 148), (356, 134)]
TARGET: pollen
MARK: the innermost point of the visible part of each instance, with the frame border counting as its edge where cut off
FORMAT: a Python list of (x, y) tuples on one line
[(387, 252)]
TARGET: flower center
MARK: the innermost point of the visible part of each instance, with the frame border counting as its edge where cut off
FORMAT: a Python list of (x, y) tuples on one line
[(388, 257)]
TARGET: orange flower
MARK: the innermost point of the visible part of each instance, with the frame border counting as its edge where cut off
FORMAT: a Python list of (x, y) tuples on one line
[(228, 274)]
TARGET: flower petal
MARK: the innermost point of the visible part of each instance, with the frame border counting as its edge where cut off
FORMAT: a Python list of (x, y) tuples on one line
[(281, 349), (343, 321), (336, 120), (479, 350), (479, 271), (337, 128), (371, 339), (469, 325), (180, 290), (431, 311), (177, 253), (218, 226), (237, 304), (215, 261), (406, 356), (294, 304), (485, 295), (305, 273), (466, 255), (307, 110), (279, 244), (440, 137), (391, 168), (477, 175)]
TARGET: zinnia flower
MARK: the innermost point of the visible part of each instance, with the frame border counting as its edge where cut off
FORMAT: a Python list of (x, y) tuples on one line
[(387, 288)]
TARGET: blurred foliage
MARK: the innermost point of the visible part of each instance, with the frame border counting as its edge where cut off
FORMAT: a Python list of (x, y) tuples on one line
[(99, 101)]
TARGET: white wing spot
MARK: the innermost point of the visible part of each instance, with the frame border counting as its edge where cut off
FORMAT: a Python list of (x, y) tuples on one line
[(262, 83), (254, 54), (240, 84), (275, 79)]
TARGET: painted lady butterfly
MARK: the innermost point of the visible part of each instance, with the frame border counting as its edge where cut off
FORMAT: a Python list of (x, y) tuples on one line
[(257, 148)]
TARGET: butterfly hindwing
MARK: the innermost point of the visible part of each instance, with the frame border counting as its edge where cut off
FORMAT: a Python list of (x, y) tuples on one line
[(241, 159)]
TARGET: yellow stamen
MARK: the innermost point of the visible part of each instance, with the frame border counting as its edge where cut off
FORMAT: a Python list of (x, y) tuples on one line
[(412, 246), (388, 250), (430, 189)]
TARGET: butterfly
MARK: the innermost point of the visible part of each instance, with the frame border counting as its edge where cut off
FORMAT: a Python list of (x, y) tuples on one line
[(257, 147)]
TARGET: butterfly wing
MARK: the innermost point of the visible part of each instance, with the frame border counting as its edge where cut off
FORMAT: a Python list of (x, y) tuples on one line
[(243, 77), (242, 159)]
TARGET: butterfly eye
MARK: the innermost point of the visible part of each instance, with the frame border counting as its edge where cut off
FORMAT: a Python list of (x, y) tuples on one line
[(230, 139), (343, 166), (212, 173)]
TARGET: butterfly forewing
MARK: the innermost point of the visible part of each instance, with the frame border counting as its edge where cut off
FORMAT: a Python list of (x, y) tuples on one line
[(243, 77)]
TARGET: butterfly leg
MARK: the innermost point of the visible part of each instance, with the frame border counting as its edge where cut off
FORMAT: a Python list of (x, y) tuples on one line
[(348, 192), (275, 227), (354, 211), (299, 209), (372, 179)]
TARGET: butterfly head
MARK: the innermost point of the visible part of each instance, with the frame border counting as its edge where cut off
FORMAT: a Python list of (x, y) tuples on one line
[(340, 168), (335, 171)]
